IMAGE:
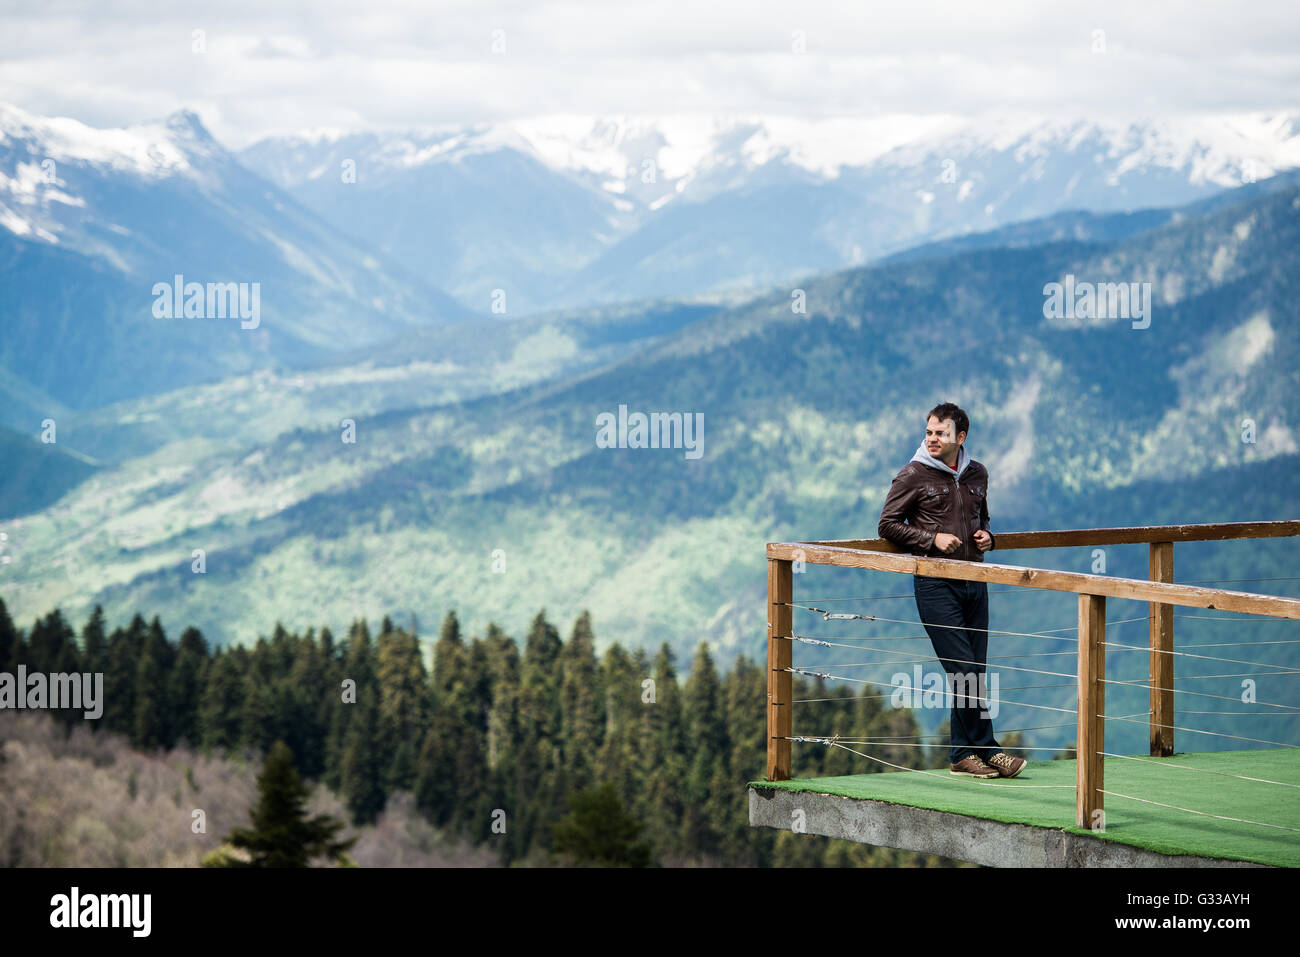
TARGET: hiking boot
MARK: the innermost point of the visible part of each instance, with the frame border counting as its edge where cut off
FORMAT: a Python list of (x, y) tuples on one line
[(1006, 765), (972, 766)]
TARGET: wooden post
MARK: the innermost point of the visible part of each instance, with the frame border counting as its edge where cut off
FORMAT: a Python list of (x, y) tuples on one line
[(1161, 625), (1091, 737), (780, 656)]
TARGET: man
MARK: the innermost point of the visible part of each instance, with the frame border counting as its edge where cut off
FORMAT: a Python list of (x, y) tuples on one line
[(938, 507)]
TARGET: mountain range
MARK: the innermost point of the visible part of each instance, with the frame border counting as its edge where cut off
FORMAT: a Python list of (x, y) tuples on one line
[(565, 211), (451, 460), (353, 240), (95, 219)]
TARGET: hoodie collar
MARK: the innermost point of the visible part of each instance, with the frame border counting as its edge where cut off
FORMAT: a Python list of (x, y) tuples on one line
[(923, 456)]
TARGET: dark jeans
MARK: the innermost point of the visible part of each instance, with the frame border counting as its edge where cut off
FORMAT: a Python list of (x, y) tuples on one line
[(951, 610)]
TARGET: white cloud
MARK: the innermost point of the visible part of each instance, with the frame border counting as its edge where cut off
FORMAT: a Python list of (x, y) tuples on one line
[(269, 68)]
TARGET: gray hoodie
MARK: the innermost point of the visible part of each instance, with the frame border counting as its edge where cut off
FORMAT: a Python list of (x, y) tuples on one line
[(923, 456)]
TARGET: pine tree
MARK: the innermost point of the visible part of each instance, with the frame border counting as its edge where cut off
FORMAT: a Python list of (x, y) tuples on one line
[(305, 693), (120, 677), (448, 657), (403, 705), (706, 733), (357, 667), (220, 703), (52, 646), (471, 762), (453, 774), (258, 727), (618, 759), (502, 741), (151, 728), (9, 640), (354, 756), (598, 830), (281, 834), (94, 643), (435, 772), (360, 776), (477, 784), (663, 736), (744, 713), (538, 773), (581, 705)]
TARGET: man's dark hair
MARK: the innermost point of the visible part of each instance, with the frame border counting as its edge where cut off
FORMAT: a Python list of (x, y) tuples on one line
[(947, 410)]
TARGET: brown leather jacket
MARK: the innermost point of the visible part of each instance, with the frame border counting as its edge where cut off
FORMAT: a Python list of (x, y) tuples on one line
[(923, 501)]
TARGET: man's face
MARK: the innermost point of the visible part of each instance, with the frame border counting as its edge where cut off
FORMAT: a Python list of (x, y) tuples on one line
[(942, 438)]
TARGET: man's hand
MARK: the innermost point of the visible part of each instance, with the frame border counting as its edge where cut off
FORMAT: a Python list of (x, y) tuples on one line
[(984, 540), (947, 543)]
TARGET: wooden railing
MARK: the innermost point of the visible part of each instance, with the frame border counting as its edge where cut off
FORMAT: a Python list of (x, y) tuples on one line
[(1092, 590)]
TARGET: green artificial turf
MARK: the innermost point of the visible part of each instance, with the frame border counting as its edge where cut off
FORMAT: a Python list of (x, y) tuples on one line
[(1160, 829)]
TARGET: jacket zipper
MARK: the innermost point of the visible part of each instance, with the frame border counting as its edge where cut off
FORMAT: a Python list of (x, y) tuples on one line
[(964, 527)]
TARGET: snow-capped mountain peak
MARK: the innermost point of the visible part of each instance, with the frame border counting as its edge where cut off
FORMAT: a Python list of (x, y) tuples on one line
[(50, 166), (649, 159), (148, 149)]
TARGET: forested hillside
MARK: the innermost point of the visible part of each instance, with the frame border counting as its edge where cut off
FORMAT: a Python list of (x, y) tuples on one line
[(491, 728)]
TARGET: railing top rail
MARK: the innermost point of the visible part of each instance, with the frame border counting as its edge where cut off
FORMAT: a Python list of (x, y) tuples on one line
[(1132, 588), (1134, 535)]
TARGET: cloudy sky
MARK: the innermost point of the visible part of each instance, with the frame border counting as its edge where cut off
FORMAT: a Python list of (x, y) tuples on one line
[(256, 67)]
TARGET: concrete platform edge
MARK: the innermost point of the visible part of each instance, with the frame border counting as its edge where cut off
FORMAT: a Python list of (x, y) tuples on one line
[(956, 836)]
